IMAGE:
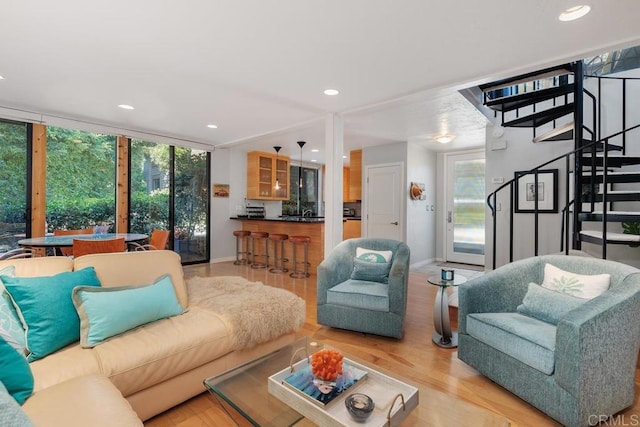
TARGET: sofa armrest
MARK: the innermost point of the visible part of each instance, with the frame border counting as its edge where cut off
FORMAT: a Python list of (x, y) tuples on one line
[(597, 343), (90, 400), (497, 291)]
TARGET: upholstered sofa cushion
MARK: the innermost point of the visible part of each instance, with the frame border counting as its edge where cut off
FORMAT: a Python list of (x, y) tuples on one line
[(547, 305), (360, 294), (155, 352), (89, 400), (524, 338)]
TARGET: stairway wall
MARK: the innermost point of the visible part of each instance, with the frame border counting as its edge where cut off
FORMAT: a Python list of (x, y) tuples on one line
[(521, 155)]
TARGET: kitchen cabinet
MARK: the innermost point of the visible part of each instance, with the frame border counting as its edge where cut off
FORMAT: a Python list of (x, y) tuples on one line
[(346, 197), (355, 175), (351, 228), (263, 169)]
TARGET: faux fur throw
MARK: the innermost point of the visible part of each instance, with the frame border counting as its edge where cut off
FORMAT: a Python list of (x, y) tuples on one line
[(256, 313)]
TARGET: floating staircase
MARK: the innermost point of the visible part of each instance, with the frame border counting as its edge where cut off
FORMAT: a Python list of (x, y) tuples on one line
[(553, 103)]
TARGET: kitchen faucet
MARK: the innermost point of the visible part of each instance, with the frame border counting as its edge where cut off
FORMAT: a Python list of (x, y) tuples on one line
[(307, 211)]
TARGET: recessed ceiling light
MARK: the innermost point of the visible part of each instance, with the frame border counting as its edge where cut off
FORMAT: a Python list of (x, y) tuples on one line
[(344, 157), (212, 126), (444, 139), (331, 92), (1, 78), (126, 107), (315, 150), (574, 13), (313, 160)]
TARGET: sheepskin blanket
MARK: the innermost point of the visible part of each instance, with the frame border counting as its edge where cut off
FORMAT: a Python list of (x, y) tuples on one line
[(255, 313)]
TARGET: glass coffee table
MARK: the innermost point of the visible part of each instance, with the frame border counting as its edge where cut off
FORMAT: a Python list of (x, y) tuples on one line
[(252, 394)]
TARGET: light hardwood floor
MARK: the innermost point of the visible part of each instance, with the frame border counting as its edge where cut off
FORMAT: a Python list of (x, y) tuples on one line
[(451, 393)]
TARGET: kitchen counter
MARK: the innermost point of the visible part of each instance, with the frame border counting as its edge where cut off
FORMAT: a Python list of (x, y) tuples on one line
[(311, 219), (292, 226)]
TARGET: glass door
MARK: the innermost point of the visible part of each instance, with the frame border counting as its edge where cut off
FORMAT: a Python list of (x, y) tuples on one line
[(465, 220)]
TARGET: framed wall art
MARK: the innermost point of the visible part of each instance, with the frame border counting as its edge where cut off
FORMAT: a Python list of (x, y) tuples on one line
[(547, 192)]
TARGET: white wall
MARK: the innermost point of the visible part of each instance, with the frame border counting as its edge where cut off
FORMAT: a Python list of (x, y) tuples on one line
[(227, 167), (421, 215), (419, 228)]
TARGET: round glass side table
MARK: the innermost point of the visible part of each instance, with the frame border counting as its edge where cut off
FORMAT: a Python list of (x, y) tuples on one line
[(443, 336)]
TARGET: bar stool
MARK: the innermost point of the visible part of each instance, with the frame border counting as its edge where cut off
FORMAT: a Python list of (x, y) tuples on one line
[(278, 240), (242, 241), (259, 235), (297, 241)]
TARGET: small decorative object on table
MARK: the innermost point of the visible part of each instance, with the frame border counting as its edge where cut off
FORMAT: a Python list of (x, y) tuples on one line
[(325, 377), (359, 406), (446, 274)]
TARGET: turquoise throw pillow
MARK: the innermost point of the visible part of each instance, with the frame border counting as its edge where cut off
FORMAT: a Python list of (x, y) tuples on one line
[(45, 306), (547, 305), (9, 320), (106, 312), (15, 372), (370, 271)]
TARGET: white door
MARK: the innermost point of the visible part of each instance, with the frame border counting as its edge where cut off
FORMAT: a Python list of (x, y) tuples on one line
[(465, 215), (383, 187)]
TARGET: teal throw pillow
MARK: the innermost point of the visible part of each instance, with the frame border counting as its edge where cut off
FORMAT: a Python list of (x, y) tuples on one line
[(15, 372), (45, 306), (547, 305), (106, 312), (370, 271), (9, 320)]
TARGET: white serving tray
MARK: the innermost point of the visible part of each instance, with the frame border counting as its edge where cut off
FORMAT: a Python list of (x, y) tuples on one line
[(387, 393)]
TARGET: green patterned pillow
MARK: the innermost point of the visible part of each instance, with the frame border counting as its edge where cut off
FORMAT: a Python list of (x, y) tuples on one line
[(577, 285), (373, 256), (9, 320)]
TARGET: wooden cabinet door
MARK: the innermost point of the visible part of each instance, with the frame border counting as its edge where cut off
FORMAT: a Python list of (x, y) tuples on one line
[(262, 174), (351, 229)]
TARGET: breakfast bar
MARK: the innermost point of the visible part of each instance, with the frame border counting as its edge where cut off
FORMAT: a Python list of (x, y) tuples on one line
[(292, 226)]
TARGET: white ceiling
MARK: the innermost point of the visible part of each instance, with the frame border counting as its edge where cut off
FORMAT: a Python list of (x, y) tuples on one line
[(258, 68)]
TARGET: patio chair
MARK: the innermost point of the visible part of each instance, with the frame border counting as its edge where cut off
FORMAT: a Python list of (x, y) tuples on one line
[(18, 253), (69, 251), (86, 247), (157, 241)]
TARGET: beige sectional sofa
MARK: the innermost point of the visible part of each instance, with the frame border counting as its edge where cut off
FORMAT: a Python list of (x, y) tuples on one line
[(154, 366)]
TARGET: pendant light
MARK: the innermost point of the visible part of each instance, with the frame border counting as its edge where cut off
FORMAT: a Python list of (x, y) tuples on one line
[(277, 148), (301, 144)]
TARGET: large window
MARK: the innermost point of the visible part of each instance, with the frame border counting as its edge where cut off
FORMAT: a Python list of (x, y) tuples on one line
[(13, 175), (81, 179), (170, 191), (303, 194)]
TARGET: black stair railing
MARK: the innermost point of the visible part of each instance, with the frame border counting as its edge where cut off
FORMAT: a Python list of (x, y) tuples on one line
[(569, 201)]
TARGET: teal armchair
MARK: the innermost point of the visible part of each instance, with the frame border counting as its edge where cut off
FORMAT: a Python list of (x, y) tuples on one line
[(359, 305), (578, 368)]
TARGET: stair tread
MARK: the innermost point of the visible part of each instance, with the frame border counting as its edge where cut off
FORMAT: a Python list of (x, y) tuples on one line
[(559, 133), (615, 213), (541, 117), (620, 237), (520, 100)]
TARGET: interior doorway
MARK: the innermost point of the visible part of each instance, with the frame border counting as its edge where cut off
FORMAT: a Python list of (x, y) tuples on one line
[(465, 214), (383, 201)]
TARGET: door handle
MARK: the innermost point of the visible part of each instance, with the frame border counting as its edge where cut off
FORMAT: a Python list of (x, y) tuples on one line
[(394, 223), (449, 217)]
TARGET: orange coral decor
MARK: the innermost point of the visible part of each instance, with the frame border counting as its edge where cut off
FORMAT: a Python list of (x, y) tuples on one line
[(327, 364)]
